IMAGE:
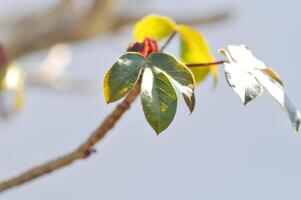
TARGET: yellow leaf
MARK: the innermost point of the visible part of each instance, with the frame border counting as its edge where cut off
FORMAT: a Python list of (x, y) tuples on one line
[(155, 26), (194, 49)]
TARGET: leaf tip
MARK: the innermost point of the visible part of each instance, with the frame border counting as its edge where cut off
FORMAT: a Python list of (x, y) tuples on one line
[(190, 101), (296, 123), (107, 101), (158, 132), (247, 100), (158, 129)]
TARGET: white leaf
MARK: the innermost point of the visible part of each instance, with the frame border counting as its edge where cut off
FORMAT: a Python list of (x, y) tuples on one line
[(240, 79), (242, 54), (277, 91), (247, 76)]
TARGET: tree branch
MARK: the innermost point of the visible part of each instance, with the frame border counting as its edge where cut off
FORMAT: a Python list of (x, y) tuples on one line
[(64, 23), (82, 152), (69, 23)]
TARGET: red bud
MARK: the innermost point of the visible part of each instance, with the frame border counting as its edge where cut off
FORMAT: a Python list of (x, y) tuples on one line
[(149, 45)]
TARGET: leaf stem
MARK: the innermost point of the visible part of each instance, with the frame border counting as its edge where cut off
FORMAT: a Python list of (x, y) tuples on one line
[(82, 152), (168, 41), (190, 65)]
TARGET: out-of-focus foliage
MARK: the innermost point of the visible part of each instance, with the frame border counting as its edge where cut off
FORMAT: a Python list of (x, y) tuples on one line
[(12, 83), (248, 77), (194, 48)]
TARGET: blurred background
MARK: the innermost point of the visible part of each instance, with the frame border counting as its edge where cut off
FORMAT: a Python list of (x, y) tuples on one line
[(222, 151)]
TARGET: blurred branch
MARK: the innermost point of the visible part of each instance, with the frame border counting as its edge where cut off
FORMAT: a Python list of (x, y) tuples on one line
[(82, 152), (69, 21), (216, 17), (64, 23)]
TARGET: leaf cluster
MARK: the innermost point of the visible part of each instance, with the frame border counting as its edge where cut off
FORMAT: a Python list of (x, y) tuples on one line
[(159, 73)]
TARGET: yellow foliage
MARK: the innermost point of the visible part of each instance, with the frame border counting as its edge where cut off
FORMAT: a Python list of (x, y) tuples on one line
[(13, 79), (155, 26), (194, 49)]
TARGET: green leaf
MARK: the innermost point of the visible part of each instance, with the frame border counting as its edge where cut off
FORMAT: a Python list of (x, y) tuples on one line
[(122, 76), (194, 49), (159, 98), (179, 74), (155, 26)]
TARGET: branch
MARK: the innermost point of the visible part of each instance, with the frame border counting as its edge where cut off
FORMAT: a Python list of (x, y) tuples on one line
[(215, 17), (64, 23), (82, 152), (67, 22)]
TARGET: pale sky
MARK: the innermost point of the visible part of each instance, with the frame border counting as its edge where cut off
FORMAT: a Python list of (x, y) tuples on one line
[(222, 151)]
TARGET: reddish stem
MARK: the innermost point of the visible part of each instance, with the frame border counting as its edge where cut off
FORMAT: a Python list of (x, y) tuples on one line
[(205, 64)]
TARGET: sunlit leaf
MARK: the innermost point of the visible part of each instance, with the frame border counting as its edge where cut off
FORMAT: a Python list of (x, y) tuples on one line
[(155, 26), (243, 70), (194, 49), (180, 75), (277, 91), (274, 75), (159, 99), (240, 80), (122, 76)]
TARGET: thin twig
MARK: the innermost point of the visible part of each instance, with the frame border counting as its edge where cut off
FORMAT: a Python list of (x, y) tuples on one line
[(190, 65), (82, 152), (168, 41)]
